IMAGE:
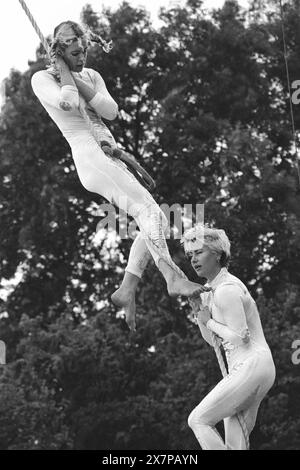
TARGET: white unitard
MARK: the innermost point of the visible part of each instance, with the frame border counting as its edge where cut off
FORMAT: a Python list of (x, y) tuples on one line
[(97, 172), (250, 364)]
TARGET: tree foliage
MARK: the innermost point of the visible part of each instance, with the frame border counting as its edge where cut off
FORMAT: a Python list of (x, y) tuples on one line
[(204, 107)]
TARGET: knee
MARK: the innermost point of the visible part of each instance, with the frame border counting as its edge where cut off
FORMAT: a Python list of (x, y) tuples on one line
[(191, 420), (87, 182), (197, 418)]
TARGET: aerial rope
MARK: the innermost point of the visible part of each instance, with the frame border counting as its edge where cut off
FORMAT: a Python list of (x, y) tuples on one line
[(105, 140), (297, 158)]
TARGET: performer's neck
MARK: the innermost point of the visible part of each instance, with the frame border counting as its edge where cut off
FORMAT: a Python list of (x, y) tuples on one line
[(211, 276)]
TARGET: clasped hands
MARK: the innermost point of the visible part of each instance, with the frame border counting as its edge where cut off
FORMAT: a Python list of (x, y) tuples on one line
[(203, 312)]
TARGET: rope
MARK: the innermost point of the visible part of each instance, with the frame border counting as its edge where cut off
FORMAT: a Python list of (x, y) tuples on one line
[(289, 88), (34, 24)]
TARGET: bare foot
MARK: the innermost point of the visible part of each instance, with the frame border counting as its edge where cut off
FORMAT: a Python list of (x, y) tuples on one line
[(187, 288), (126, 299)]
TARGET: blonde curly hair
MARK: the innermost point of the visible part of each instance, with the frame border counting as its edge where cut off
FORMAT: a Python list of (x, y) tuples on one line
[(60, 43), (214, 239)]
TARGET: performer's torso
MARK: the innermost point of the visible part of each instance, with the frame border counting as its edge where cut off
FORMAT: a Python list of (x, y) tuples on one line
[(257, 338), (72, 124)]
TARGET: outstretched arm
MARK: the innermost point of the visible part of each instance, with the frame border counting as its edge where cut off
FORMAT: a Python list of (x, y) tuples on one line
[(229, 301)]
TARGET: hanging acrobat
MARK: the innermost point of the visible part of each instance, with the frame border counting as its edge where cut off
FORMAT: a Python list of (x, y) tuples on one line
[(76, 98)]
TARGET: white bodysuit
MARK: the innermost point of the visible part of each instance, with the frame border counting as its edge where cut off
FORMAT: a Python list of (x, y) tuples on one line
[(250, 364), (97, 172)]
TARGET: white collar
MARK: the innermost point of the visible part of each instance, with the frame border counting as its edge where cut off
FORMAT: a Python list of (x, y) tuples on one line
[(216, 280)]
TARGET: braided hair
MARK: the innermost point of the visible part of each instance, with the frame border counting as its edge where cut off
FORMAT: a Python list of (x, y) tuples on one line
[(81, 33)]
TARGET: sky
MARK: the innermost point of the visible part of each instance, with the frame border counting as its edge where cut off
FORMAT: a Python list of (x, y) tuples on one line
[(17, 33)]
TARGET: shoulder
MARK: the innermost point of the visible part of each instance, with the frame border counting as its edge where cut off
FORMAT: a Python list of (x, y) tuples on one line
[(231, 283), (93, 73), (42, 73), (95, 78), (229, 292), (41, 77)]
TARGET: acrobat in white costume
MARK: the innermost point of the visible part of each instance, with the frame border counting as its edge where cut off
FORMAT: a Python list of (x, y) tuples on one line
[(231, 313), (98, 172)]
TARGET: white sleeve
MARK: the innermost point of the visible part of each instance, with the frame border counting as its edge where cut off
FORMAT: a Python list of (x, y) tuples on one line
[(229, 300), (103, 103), (48, 91)]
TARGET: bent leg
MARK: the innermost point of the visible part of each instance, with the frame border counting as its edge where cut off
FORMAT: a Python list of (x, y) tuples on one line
[(234, 435), (139, 257), (233, 394), (109, 178)]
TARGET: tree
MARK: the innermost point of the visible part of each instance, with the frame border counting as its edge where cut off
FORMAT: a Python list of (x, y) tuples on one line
[(204, 108)]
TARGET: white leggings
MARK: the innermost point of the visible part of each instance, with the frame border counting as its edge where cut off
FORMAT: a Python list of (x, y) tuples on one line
[(111, 179), (241, 391)]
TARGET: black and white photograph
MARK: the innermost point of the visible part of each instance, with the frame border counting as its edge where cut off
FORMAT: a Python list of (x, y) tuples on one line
[(149, 228)]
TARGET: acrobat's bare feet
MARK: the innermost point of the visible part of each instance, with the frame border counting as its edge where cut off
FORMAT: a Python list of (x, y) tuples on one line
[(180, 286), (125, 298)]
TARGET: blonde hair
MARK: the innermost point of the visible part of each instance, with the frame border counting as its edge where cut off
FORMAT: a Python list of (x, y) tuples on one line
[(214, 239), (59, 43)]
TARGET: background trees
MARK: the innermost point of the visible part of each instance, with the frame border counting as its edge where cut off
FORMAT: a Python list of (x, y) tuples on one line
[(204, 107)]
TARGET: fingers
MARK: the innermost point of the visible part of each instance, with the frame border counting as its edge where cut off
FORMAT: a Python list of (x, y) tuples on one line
[(201, 290), (196, 294), (61, 63), (206, 288)]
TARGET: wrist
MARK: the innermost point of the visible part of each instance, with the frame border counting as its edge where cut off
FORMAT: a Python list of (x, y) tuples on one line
[(67, 79)]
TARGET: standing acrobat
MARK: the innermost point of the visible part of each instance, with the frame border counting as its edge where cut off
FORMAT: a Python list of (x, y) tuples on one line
[(231, 313)]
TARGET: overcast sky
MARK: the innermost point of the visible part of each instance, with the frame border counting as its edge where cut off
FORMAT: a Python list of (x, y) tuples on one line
[(19, 40)]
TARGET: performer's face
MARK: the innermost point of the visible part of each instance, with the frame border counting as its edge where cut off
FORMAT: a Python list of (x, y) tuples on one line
[(75, 55), (204, 261)]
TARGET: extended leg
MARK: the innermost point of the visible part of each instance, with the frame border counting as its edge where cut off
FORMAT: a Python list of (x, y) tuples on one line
[(101, 175), (125, 295)]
